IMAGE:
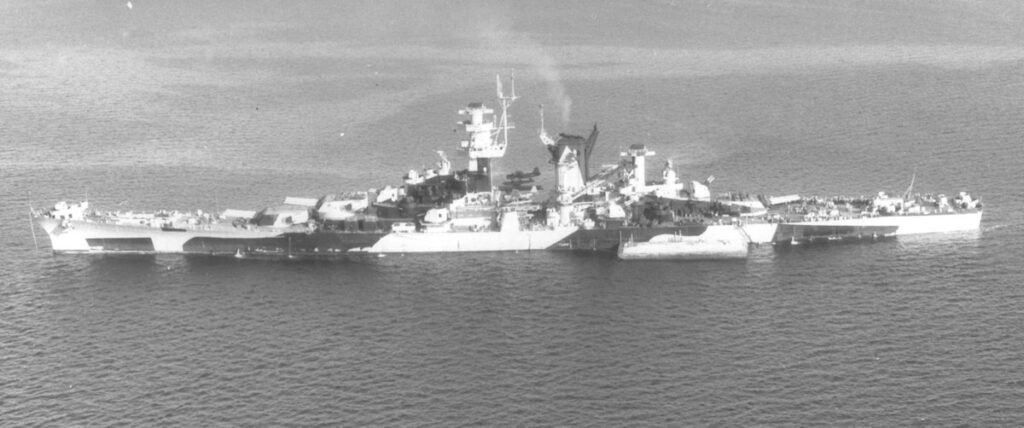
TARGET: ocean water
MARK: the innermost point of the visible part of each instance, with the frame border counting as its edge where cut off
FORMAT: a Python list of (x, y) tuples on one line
[(229, 105)]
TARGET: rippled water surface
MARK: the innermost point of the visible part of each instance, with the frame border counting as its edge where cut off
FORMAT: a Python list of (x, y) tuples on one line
[(205, 106)]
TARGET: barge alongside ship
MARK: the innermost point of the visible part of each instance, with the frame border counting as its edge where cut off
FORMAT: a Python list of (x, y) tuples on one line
[(614, 209)]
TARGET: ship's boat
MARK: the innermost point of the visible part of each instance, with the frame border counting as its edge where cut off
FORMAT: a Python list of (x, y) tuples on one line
[(719, 242)]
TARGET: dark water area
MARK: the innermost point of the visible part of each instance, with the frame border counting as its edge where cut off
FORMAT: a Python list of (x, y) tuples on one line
[(171, 108)]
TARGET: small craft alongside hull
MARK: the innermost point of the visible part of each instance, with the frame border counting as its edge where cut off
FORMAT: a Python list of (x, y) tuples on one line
[(717, 243)]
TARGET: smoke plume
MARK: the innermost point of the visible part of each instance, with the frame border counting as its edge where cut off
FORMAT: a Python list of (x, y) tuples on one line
[(518, 48), (547, 68)]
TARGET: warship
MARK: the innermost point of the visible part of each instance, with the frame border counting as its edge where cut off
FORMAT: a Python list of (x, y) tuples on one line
[(613, 208)]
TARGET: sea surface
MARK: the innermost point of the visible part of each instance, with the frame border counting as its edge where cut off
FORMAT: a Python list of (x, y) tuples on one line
[(216, 105)]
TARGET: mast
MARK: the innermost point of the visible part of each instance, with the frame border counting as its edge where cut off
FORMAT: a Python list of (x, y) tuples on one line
[(487, 140), (32, 224), (906, 195), (506, 102)]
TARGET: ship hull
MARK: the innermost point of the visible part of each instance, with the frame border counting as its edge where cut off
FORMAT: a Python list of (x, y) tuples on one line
[(453, 242), (865, 227), (90, 237), (102, 238)]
